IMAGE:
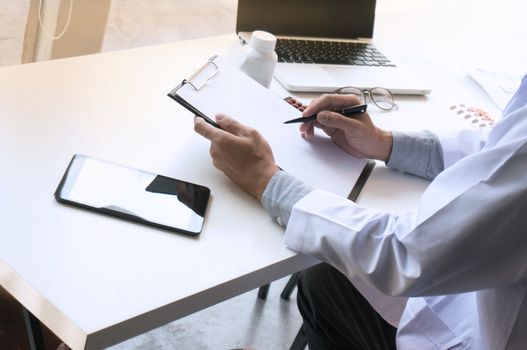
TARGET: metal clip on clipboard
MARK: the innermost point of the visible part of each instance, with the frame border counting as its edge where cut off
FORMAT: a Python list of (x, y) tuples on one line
[(210, 63), (194, 81)]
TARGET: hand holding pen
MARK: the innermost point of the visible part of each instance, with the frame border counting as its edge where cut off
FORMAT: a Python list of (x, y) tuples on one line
[(347, 112), (354, 133)]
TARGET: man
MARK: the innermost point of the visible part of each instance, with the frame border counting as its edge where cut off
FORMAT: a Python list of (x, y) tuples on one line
[(461, 255)]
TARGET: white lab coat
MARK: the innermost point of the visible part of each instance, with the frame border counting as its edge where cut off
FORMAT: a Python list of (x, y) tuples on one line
[(461, 255)]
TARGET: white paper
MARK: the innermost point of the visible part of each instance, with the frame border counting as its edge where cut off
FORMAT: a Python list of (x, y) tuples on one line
[(317, 162)]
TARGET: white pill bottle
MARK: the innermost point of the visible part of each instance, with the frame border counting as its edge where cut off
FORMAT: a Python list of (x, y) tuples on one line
[(260, 58)]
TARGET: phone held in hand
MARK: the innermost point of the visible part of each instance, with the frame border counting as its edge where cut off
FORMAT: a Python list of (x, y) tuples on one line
[(134, 194)]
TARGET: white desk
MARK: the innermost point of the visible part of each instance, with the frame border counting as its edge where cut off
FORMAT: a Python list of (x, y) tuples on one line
[(95, 280)]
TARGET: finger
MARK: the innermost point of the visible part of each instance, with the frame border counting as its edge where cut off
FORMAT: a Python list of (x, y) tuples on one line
[(231, 125), (318, 125), (328, 130), (205, 129), (329, 102), (336, 120), (317, 105), (307, 130)]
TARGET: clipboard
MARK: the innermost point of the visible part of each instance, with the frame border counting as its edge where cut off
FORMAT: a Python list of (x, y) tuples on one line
[(193, 81), (218, 87)]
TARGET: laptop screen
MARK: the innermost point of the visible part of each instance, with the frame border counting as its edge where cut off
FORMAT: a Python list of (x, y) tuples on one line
[(346, 19)]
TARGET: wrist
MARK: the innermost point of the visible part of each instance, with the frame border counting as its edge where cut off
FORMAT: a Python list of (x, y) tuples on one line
[(385, 143), (263, 180)]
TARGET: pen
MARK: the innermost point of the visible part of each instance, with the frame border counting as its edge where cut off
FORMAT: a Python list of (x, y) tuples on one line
[(348, 112)]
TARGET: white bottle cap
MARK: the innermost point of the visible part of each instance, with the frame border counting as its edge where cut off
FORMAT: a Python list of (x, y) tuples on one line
[(261, 40)]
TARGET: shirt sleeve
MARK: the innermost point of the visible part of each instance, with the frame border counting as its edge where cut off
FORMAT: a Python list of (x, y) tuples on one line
[(459, 144), (417, 153), (474, 242), (281, 193)]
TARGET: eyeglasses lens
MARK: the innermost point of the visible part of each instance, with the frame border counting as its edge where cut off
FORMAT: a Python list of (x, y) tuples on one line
[(352, 91), (382, 98)]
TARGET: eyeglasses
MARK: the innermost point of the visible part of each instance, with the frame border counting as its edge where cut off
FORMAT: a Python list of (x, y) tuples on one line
[(383, 98)]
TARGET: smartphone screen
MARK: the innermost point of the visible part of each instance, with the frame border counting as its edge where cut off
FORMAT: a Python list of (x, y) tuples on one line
[(134, 194)]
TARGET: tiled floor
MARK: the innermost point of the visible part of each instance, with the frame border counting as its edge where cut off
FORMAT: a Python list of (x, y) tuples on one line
[(134, 23), (244, 321), (12, 25), (241, 321), (131, 23)]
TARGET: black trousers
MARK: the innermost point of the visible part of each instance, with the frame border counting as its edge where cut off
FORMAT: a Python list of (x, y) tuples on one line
[(337, 316)]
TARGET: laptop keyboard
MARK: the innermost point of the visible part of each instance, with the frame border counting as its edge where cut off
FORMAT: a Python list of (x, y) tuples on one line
[(330, 52)]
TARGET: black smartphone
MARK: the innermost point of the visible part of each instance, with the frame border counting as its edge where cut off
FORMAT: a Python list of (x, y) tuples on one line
[(134, 194)]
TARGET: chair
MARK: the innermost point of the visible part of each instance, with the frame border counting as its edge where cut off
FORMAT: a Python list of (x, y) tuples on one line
[(286, 293), (300, 341)]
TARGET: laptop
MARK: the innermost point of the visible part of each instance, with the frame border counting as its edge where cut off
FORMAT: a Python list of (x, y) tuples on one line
[(324, 45)]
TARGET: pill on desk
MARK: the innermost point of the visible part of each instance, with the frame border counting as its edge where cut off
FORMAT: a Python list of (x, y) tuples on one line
[(474, 116)]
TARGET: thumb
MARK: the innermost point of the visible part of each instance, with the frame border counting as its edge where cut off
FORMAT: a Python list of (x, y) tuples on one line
[(205, 129), (230, 125), (335, 120)]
